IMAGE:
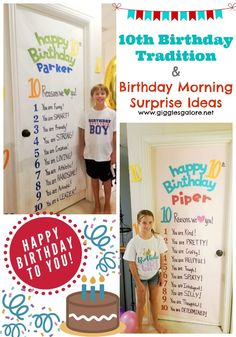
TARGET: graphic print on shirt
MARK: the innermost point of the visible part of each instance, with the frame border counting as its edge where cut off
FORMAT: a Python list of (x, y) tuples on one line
[(98, 126), (149, 260)]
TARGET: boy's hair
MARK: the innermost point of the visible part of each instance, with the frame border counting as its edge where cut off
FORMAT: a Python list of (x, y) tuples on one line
[(144, 212), (99, 86)]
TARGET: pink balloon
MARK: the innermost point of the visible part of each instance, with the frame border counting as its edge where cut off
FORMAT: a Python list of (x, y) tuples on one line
[(129, 318)]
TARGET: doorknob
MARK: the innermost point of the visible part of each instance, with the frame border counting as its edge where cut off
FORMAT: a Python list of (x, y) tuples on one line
[(219, 252), (25, 133)]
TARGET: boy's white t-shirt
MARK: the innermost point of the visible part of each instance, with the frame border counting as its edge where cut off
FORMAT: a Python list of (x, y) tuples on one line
[(146, 254), (99, 126)]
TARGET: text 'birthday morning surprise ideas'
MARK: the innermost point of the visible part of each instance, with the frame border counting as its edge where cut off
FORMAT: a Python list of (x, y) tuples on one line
[(172, 40), (188, 88)]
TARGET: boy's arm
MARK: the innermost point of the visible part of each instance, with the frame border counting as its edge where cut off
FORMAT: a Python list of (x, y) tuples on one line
[(81, 142), (113, 155)]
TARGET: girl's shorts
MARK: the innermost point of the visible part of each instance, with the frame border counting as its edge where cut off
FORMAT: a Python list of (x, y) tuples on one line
[(153, 280), (98, 169)]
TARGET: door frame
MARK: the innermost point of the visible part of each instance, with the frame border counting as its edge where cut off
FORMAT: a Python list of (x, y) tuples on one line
[(146, 144), (67, 15)]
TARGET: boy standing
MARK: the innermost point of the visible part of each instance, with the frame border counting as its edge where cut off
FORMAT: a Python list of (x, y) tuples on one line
[(98, 145)]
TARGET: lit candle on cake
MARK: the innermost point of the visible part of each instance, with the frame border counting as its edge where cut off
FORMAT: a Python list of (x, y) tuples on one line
[(84, 288), (101, 288), (92, 289)]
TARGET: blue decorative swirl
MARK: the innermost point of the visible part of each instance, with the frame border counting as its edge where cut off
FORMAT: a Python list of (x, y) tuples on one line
[(99, 240), (45, 321), (13, 330), (16, 302), (106, 262)]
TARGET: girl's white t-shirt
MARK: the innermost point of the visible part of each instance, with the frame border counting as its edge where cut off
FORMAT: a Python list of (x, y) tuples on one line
[(99, 127), (146, 254)]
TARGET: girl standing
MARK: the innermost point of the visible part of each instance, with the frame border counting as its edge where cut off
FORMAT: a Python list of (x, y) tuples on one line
[(145, 255)]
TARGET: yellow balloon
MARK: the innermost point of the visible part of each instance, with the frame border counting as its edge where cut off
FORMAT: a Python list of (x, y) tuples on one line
[(145, 310), (110, 83)]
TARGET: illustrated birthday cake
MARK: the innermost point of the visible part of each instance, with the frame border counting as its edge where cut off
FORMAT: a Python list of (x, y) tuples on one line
[(92, 312)]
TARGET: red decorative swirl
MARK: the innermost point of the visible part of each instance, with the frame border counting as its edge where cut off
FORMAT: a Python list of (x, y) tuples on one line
[(116, 6)]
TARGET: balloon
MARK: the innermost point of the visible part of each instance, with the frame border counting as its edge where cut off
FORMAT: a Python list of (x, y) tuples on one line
[(110, 83), (122, 310), (129, 318)]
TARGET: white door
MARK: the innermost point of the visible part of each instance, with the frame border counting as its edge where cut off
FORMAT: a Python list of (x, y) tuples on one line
[(48, 70), (191, 200)]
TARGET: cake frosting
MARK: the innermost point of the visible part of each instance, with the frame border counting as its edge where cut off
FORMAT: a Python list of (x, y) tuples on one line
[(99, 315)]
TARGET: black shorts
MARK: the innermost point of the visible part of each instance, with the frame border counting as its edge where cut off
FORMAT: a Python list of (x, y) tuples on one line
[(98, 169)]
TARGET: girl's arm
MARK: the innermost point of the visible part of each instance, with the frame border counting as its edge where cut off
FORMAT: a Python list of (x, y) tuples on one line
[(134, 272)]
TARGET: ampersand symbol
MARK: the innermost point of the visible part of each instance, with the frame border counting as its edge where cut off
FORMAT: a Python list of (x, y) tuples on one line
[(175, 72)]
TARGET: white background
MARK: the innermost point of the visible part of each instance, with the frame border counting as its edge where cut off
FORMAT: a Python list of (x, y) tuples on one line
[(220, 71), (56, 303), (130, 70)]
